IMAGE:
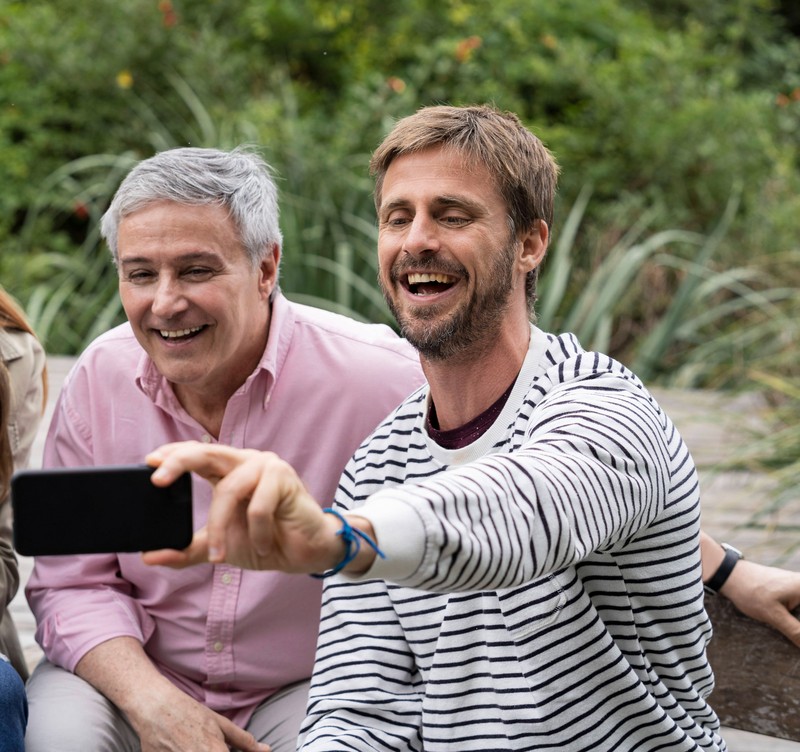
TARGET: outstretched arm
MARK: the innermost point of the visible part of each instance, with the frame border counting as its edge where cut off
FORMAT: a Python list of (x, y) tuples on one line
[(767, 594), (262, 516)]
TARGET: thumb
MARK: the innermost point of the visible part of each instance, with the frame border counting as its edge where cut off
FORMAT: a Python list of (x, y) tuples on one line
[(788, 626), (195, 553)]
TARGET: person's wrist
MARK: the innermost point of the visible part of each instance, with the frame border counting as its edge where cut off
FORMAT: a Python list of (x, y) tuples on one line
[(366, 554), (732, 556), (336, 548), (351, 546), (141, 708)]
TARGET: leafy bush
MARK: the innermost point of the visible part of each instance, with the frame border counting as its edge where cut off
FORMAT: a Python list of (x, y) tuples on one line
[(668, 110)]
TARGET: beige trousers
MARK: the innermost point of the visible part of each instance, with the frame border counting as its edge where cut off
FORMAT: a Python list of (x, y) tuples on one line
[(69, 715)]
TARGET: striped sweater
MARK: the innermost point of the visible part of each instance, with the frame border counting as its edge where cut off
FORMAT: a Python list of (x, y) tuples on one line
[(541, 589)]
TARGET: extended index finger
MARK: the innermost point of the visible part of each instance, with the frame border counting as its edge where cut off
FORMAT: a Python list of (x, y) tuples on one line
[(242, 510), (210, 461)]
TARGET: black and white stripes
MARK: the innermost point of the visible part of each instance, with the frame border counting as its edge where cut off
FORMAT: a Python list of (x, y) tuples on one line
[(556, 602)]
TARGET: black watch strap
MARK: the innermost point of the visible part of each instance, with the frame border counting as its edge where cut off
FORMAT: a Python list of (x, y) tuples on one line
[(719, 577)]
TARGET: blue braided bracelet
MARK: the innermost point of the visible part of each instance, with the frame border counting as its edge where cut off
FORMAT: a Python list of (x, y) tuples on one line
[(352, 538)]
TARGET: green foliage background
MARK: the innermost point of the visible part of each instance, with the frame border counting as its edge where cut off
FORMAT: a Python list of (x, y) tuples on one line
[(675, 124)]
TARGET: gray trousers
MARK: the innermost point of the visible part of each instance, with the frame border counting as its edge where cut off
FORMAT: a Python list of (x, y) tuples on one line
[(69, 715)]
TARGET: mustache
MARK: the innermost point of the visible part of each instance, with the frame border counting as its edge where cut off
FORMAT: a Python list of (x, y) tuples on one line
[(426, 264)]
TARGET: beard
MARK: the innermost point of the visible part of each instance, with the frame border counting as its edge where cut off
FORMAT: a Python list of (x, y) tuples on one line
[(437, 335)]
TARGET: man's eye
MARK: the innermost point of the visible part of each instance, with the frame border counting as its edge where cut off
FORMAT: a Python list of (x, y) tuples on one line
[(455, 220), (198, 272), (396, 220), (139, 275)]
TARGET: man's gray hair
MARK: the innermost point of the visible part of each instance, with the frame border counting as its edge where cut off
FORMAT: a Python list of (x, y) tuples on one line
[(240, 181)]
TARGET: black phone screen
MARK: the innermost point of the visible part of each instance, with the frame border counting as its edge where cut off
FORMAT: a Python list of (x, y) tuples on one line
[(87, 510)]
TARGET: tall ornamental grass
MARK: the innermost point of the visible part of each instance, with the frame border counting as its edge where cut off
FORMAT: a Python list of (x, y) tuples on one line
[(716, 324)]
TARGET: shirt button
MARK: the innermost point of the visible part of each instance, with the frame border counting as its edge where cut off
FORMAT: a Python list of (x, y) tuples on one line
[(218, 647), (206, 438), (226, 579)]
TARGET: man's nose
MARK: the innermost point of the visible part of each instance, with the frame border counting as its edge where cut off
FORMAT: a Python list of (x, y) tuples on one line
[(421, 236), (168, 298)]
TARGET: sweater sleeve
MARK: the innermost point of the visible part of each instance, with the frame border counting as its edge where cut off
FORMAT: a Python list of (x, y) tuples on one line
[(594, 469)]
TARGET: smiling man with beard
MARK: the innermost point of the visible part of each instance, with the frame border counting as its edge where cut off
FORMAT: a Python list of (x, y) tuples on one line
[(428, 279), (154, 659), (514, 552)]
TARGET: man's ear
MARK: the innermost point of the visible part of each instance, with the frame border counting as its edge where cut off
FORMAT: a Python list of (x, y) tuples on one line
[(534, 245), (268, 270)]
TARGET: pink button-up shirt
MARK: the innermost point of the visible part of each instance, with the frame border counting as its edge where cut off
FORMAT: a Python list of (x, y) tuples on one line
[(226, 636)]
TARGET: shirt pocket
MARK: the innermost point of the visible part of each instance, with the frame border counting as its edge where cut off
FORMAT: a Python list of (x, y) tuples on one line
[(532, 607)]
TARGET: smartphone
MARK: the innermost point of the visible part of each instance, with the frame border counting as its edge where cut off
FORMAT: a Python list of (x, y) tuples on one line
[(95, 510)]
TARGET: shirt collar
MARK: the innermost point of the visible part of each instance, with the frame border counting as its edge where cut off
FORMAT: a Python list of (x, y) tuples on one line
[(155, 386)]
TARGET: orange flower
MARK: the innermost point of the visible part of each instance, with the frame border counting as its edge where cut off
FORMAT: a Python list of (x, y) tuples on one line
[(782, 100), (80, 210), (396, 84), (466, 46), (169, 16)]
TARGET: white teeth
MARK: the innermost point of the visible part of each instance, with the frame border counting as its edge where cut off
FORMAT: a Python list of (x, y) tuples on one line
[(174, 334), (417, 279)]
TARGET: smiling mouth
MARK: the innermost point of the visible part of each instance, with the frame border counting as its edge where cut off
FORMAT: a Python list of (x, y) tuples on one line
[(428, 283), (174, 335)]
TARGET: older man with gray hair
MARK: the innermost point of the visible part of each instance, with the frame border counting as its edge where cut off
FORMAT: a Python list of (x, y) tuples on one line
[(150, 658)]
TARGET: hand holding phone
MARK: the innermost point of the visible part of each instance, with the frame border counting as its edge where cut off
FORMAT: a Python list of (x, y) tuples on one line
[(91, 510)]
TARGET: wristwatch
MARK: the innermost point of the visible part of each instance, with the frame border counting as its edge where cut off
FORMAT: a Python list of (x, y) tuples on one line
[(718, 579)]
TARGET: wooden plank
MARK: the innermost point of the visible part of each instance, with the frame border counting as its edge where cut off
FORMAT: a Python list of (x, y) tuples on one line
[(757, 672)]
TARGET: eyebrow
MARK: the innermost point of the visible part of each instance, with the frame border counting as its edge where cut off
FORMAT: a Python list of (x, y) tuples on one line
[(187, 258), (440, 202)]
